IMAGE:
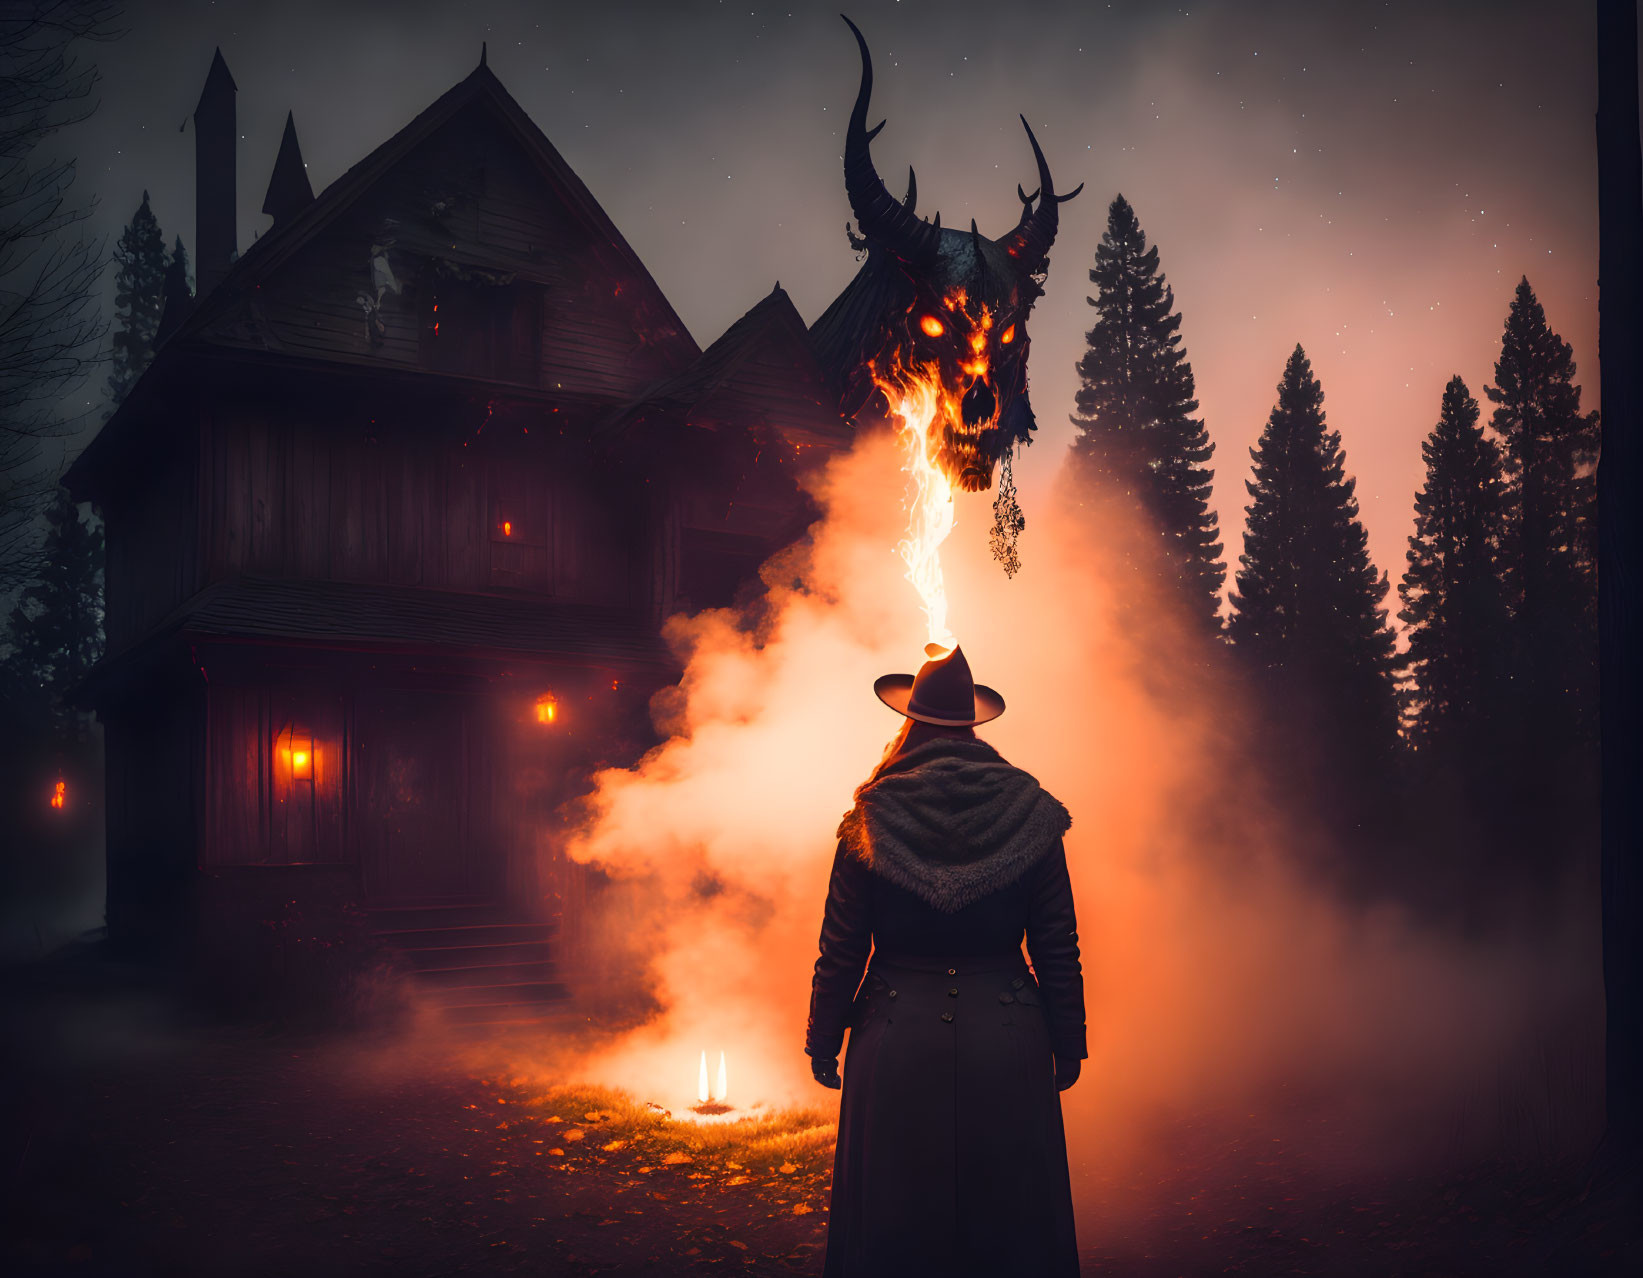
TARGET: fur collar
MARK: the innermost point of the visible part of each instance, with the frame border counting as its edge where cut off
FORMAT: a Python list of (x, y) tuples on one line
[(951, 822)]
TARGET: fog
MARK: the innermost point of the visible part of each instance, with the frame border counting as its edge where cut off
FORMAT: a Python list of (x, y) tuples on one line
[(1224, 979)]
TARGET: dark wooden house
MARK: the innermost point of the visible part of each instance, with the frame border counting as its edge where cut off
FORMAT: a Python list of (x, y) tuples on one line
[(393, 520)]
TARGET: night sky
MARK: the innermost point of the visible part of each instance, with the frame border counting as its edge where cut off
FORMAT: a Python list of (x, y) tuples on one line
[(1369, 180)]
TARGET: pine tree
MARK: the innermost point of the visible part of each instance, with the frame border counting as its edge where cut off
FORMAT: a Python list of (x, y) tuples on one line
[(138, 294), (1136, 430), (56, 628), (1546, 756), (177, 292), (1306, 613), (1454, 596), (1550, 500)]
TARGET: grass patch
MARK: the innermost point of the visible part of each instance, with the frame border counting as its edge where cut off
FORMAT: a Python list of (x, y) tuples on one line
[(769, 1147)]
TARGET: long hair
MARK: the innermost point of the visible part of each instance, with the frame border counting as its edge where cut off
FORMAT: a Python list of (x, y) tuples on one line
[(912, 734)]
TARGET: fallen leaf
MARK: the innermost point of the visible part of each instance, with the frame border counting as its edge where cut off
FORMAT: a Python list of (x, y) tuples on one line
[(615, 1144), (787, 1169), (802, 1209), (675, 1158), (741, 1245), (575, 1133), (738, 1180), (560, 1152)]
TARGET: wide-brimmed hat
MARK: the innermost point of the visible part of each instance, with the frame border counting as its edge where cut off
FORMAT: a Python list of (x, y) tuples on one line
[(942, 693)]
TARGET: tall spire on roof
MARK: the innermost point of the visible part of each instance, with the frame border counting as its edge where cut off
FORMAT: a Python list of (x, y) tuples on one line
[(288, 188), (215, 137)]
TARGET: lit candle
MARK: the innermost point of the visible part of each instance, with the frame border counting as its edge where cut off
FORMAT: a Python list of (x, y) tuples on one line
[(720, 1090)]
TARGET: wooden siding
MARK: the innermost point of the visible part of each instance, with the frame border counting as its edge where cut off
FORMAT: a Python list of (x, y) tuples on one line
[(427, 771), (302, 500), (259, 809)]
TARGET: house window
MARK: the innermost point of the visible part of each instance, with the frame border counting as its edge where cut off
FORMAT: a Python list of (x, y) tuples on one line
[(521, 525), (480, 324)]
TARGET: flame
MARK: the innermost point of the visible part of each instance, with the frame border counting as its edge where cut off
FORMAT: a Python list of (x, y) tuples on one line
[(720, 1090), (59, 798), (937, 450), (915, 399), (547, 708)]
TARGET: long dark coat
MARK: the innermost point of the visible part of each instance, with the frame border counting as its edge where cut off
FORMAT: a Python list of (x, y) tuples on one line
[(951, 1156)]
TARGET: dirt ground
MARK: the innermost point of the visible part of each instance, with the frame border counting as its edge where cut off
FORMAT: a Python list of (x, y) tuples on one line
[(141, 1141)]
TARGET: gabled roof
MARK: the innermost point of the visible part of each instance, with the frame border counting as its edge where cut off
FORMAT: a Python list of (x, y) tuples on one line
[(772, 323), (287, 237), (481, 86)]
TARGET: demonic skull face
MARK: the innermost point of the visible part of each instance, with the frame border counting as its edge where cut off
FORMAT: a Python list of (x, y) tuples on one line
[(954, 306), (970, 338)]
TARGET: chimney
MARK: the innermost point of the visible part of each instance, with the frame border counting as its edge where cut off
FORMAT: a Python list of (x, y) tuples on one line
[(214, 146), (288, 189)]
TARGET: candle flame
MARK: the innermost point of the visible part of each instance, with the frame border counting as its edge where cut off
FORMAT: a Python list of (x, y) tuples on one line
[(59, 796), (720, 1091)]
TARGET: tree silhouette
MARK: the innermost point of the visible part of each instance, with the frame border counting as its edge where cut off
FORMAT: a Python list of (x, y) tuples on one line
[(1548, 447), (1136, 430), (1306, 614), (1454, 597), (177, 293), (55, 632), (139, 291)]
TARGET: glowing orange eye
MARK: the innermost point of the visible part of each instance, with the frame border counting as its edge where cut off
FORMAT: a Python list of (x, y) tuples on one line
[(1009, 335), (932, 326)]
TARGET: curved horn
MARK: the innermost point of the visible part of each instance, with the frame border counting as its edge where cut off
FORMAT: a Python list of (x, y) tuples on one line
[(1030, 242), (1026, 205), (882, 218)]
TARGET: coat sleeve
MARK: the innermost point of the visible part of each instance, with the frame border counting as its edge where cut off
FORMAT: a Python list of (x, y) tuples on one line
[(1052, 943), (846, 937)]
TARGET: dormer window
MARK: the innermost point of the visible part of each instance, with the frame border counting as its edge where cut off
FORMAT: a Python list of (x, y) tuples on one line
[(480, 323)]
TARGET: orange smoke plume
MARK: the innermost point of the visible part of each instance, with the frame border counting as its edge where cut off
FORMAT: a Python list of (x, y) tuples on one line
[(1218, 976)]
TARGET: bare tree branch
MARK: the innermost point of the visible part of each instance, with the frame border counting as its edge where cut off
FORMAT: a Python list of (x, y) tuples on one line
[(50, 325)]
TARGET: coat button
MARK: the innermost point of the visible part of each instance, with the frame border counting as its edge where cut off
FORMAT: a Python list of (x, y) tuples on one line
[(952, 993), (946, 1016)]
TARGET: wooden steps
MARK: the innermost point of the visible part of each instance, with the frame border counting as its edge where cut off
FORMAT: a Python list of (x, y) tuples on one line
[(475, 964)]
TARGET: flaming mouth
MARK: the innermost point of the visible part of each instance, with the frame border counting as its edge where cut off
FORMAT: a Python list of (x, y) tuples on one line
[(967, 451)]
